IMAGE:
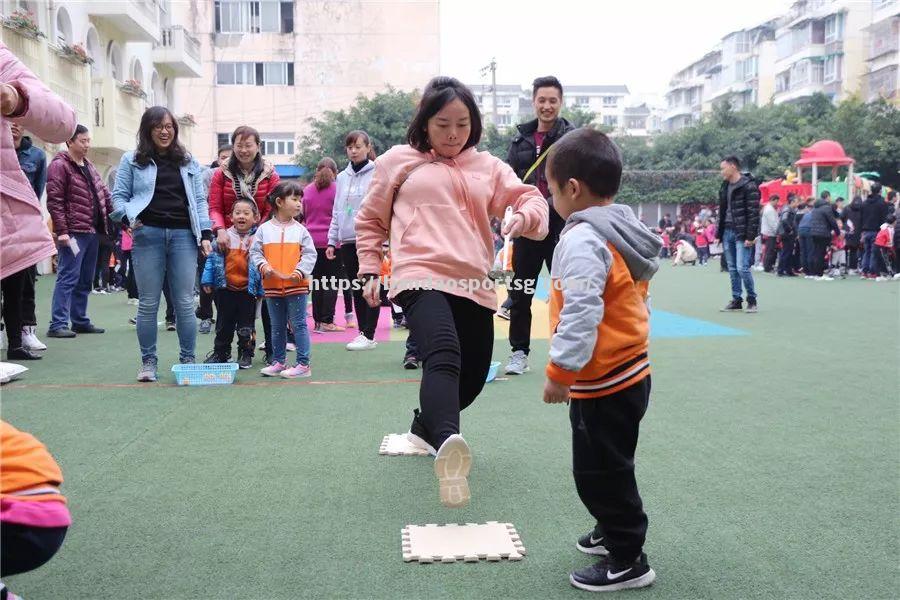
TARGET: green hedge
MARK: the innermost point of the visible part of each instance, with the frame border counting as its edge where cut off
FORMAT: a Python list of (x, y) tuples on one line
[(669, 187)]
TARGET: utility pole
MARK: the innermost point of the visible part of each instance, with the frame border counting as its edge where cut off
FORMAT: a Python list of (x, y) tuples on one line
[(493, 69)]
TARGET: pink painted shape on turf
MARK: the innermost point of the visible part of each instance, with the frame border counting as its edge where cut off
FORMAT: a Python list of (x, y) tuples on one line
[(382, 332)]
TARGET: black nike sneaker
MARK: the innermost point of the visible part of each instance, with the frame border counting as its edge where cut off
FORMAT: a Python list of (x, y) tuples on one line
[(418, 436), (592, 543), (609, 575)]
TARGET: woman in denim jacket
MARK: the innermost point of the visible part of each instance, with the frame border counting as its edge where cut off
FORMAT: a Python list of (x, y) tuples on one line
[(159, 195)]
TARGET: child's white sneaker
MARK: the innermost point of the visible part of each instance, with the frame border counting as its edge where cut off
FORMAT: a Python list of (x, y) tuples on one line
[(362, 343), (297, 372), (451, 466), (30, 340), (273, 370)]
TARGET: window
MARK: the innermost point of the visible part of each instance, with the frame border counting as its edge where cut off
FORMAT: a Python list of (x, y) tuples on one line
[(784, 46), (582, 101), (504, 119), (834, 28), (254, 16), (611, 120), (747, 69), (248, 73), (742, 42), (277, 143), (610, 100), (504, 101), (222, 139), (832, 69), (783, 81)]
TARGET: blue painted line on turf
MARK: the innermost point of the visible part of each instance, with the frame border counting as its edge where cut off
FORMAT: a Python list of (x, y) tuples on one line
[(663, 324)]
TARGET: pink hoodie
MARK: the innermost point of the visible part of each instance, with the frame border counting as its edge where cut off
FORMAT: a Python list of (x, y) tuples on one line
[(439, 225), (317, 209), (26, 239)]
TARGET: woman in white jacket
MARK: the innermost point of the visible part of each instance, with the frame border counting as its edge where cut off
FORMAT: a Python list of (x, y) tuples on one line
[(352, 186)]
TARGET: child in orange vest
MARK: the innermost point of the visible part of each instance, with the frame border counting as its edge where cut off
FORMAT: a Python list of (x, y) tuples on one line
[(34, 516), (600, 321)]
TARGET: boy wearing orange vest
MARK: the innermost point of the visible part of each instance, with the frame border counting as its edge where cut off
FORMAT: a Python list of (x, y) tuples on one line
[(599, 317)]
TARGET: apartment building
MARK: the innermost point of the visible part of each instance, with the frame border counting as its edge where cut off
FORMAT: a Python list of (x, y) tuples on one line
[(745, 72), (883, 52), (109, 59), (688, 95), (275, 65), (606, 101), (820, 49)]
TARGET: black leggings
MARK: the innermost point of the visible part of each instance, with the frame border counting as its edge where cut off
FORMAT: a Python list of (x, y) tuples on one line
[(366, 316), (455, 339), (327, 273), (13, 287), (24, 548), (819, 250)]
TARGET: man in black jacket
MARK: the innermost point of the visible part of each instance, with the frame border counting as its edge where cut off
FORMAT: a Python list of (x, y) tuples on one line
[(531, 143), (738, 228), (874, 212), (787, 232)]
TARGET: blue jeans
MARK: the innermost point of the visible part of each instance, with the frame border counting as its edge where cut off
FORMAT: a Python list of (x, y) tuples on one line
[(165, 254), (739, 258), (869, 258), (282, 310), (74, 282)]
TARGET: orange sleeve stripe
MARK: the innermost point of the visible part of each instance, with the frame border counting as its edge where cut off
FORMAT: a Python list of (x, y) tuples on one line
[(560, 375)]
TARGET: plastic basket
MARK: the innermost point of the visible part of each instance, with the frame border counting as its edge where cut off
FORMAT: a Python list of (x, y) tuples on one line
[(492, 372), (205, 374)]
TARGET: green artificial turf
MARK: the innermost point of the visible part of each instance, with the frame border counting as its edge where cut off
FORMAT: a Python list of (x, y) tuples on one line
[(768, 463)]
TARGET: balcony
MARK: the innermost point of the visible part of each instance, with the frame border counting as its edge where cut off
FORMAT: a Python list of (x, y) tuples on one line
[(116, 116), (179, 51), (137, 20)]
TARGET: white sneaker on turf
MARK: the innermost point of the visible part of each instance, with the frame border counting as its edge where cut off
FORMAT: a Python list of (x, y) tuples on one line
[(451, 466), (30, 340), (518, 363), (882, 278), (824, 278), (361, 342)]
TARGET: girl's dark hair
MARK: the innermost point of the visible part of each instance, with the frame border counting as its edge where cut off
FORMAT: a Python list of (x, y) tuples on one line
[(246, 201), (146, 149), (242, 132), (283, 190), (357, 136), (439, 92), (326, 171)]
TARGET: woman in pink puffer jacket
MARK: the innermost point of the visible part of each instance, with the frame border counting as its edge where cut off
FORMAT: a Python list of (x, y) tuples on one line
[(24, 238)]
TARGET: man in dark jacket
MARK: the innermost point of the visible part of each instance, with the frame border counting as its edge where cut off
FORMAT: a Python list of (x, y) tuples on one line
[(738, 228), (787, 233), (79, 204), (821, 225), (34, 164), (874, 212), (530, 144), (852, 218)]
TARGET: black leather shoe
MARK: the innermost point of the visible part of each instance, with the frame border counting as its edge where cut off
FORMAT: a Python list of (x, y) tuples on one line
[(21, 354), (61, 333), (88, 329)]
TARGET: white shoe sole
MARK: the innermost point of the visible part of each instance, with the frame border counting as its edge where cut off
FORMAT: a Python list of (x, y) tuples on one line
[(420, 443), (595, 551), (34, 347), (643, 581), (451, 466), (371, 346), (308, 374), (509, 371)]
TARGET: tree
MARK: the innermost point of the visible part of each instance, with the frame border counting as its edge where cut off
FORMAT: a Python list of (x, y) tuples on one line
[(579, 117), (384, 116), (495, 141)]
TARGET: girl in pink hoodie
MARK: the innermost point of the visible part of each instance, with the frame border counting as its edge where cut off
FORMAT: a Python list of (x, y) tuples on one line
[(434, 198)]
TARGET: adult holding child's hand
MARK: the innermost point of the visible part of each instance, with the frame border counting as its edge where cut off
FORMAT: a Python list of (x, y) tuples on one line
[(435, 198)]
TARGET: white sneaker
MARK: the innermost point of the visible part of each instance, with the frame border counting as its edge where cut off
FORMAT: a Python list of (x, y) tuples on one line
[(30, 340), (882, 278), (362, 343), (518, 363), (896, 277), (451, 466), (824, 278)]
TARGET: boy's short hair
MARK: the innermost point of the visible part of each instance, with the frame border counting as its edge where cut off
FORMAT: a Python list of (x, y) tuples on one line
[(243, 200), (548, 81), (876, 187), (590, 157)]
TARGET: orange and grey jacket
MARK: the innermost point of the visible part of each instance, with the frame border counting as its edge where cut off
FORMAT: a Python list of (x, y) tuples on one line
[(286, 247), (599, 309)]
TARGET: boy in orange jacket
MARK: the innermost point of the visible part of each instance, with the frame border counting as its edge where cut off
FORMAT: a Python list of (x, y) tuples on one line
[(599, 317)]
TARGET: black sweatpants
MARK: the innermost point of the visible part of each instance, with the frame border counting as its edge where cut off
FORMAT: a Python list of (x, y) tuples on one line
[(770, 252), (13, 287), (102, 271), (528, 258), (786, 256), (326, 273), (817, 255), (604, 438), (24, 548), (366, 316), (237, 313), (454, 339), (29, 316)]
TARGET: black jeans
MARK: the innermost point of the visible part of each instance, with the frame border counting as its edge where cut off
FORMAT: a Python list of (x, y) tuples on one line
[(785, 258), (604, 438), (24, 548), (13, 287), (853, 257), (770, 252), (528, 258), (817, 255), (326, 273), (454, 339), (29, 317), (205, 309), (366, 316), (102, 271), (237, 313), (128, 266)]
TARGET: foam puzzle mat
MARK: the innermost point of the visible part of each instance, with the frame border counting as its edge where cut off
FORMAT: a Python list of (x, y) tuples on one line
[(396, 444), (471, 542)]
